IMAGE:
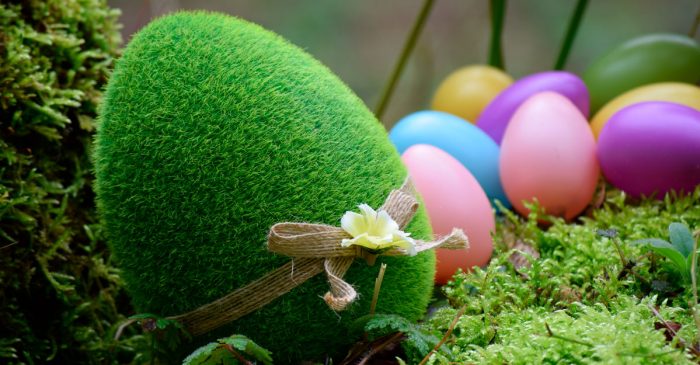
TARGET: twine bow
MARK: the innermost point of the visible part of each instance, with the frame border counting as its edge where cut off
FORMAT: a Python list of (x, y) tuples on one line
[(314, 248)]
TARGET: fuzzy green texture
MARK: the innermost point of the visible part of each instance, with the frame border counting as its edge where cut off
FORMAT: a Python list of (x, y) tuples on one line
[(579, 287), (621, 333), (212, 130), (61, 299)]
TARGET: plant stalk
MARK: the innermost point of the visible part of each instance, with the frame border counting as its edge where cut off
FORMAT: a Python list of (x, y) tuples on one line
[(446, 336), (237, 355), (619, 252), (696, 23), (571, 31), (377, 286), (498, 14), (562, 338), (403, 58)]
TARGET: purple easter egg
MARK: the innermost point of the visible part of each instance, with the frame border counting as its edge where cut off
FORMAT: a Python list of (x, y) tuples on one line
[(652, 147), (496, 116)]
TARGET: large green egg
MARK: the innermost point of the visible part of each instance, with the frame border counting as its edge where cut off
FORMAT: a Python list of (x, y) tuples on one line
[(212, 130), (645, 60)]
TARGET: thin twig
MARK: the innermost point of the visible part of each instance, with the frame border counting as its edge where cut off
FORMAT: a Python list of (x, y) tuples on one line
[(237, 354), (558, 337), (619, 252), (498, 14), (446, 336), (663, 321), (403, 58), (570, 36), (121, 328), (8, 246), (391, 339), (673, 332), (377, 286)]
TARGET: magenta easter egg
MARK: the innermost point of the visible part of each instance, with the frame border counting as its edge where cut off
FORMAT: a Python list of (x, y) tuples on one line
[(453, 199), (652, 147), (498, 113), (549, 154)]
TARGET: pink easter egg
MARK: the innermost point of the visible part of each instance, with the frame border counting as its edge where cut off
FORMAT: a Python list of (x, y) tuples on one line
[(497, 115), (549, 154), (453, 199)]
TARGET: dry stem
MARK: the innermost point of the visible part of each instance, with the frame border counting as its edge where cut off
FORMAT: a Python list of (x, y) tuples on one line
[(377, 286), (446, 336)]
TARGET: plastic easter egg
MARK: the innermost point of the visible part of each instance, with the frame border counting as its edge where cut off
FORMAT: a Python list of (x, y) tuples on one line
[(495, 118), (453, 199), (463, 140), (652, 147), (677, 92), (549, 154), (466, 92), (648, 59)]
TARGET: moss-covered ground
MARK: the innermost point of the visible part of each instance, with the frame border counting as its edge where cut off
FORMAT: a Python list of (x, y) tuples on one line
[(588, 298)]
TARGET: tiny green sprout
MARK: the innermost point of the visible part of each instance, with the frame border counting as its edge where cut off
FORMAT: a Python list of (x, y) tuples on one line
[(679, 250)]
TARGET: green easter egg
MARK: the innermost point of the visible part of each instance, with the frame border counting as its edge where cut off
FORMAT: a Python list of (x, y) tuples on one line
[(645, 60), (212, 130)]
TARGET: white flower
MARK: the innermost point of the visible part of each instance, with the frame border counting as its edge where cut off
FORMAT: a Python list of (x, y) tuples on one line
[(376, 231)]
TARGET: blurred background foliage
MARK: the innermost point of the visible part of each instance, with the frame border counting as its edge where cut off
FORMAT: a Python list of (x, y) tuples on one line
[(360, 39), (61, 297)]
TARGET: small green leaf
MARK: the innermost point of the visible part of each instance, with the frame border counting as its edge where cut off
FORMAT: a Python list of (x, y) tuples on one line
[(417, 342), (217, 353), (666, 249), (201, 355), (162, 323), (681, 238), (251, 348)]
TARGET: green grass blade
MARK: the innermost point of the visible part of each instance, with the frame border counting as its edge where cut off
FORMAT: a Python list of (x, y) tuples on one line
[(498, 14), (570, 36), (403, 58)]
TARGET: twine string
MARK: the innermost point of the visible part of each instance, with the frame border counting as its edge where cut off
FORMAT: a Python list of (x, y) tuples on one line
[(314, 248)]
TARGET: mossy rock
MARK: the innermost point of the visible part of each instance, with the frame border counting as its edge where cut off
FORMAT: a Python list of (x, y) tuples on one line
[(212, 130)]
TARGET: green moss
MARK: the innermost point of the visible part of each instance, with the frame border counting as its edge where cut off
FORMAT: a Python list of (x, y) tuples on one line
[(61, 299), (579, 287), (621, 333), (212, 130)]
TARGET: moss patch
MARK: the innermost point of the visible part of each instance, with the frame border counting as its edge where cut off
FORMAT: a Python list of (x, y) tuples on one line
[(597, 308), (61, 299), (212, 130)]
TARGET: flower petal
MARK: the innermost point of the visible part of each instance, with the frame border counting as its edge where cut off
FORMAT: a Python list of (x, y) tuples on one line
[(361, 240), (367, 211), (380, 242), (383, 225), (375, 231), (402, 240), (353, 223), (352, 241)]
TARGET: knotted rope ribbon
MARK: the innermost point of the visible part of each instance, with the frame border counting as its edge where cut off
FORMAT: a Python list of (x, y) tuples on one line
[(314, 248)]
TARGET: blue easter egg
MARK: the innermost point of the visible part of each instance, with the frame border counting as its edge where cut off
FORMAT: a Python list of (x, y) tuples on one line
[(464, 141)]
